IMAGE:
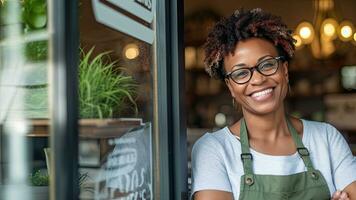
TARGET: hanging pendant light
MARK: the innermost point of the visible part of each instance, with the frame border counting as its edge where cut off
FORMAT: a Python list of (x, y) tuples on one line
[(325, 29)]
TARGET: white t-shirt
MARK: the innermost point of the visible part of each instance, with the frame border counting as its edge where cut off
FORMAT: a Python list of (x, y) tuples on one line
[(216, 163)]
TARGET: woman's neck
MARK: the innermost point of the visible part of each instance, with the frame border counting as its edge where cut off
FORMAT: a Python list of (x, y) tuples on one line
[(266, 127)]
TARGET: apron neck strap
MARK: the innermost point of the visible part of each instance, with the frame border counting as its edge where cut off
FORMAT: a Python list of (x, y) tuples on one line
[(246, 155), (302, 150)]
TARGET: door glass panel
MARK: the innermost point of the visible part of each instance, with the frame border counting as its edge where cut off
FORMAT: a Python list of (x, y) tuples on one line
[(24, 117), (116, 99)]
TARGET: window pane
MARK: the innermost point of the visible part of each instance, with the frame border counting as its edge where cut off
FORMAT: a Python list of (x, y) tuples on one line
[(24, 104), (116, 100)]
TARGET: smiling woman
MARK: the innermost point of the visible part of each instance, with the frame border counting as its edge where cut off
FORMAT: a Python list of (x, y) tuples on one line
[(267, 154), (268, 86)]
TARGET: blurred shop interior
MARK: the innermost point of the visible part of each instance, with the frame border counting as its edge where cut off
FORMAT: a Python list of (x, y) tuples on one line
[(322, 74)]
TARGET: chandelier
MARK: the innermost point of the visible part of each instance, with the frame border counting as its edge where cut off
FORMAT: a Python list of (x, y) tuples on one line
[(327, 34)]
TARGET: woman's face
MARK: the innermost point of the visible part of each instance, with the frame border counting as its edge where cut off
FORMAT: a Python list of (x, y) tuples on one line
[(261, 94)]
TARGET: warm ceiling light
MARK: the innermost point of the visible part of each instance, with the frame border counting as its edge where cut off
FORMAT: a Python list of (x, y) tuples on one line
[(328, 28), (324, 30), (131, 51), (346, 31), (298, 41), (306, 32)]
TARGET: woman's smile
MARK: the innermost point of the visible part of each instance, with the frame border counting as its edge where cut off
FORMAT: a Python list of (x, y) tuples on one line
[(263, 94)]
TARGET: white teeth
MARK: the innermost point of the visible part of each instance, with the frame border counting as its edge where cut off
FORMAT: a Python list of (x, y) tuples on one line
[(264, 92)]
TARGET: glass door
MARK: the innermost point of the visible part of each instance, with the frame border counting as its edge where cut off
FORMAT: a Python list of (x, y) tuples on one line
[(116, 99), (24, 105), (132, 142)]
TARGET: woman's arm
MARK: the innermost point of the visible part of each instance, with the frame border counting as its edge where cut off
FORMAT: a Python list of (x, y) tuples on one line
[(210, 180), (212, 195), (351, 190), (340, 195), (343, 163)]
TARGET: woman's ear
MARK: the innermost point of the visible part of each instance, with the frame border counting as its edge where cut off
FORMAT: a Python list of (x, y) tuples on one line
[(226, 81)]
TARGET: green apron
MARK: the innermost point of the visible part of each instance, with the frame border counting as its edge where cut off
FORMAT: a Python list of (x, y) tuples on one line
[(301, 186)]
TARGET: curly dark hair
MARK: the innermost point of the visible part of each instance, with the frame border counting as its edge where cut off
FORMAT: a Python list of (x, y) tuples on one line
[(242, 25)]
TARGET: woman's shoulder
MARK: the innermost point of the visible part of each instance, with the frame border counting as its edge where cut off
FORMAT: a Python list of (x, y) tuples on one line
[(216, 139), (318, 130), (318, 125)]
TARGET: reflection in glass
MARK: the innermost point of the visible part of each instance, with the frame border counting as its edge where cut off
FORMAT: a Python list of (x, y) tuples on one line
[(115, 147), (23, 91)]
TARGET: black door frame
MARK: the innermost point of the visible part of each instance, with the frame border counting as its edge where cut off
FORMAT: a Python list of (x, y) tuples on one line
[(64, 43), (171, 108)]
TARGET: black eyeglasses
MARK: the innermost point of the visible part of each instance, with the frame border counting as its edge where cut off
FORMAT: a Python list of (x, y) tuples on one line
[(266, 67)]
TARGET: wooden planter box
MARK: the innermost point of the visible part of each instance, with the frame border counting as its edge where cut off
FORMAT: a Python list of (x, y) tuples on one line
[(94, 132), (90, 128)]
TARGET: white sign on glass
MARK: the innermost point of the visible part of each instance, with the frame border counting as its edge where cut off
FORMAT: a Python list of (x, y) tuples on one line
[(142, 9)]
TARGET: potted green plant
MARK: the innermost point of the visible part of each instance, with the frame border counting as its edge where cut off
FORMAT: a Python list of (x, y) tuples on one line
[(39, 183), (104, 92), (103, 89)]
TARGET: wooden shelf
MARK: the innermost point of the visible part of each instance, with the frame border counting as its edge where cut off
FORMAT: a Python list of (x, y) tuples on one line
[(90, 128)]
